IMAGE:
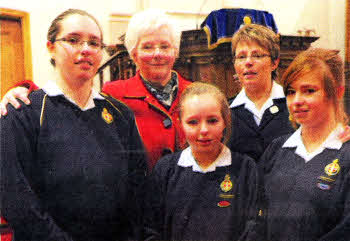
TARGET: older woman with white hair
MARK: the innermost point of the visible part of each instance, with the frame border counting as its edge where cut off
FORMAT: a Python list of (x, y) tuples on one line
[(152, 40)]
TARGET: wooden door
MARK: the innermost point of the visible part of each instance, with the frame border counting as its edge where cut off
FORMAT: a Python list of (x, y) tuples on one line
[(12, 54), (16, 62)]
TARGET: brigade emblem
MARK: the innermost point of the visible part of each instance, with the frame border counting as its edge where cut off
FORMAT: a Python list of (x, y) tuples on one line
[(226, 185), (274, 109), (106, 116), (332, 168)]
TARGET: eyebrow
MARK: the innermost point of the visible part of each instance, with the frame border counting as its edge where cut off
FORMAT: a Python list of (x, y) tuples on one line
[(160, 42), (309, 85), (253, 51), (304, 86), (80, 35)]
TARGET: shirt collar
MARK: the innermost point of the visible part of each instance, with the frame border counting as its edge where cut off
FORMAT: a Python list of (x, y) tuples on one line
[(52, 89), (187, 160), (332, 142), (165, 95), (242, 98)]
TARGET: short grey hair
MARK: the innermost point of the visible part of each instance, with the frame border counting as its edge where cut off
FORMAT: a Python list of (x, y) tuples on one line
[(148, 21)]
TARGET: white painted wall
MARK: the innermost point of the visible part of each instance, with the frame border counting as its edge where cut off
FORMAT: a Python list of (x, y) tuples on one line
[(42, 12), (326, 17)]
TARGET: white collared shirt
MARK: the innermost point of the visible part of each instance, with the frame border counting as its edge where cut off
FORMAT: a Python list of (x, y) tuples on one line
[(52, 89), (332, 142), (187, 160), (242, 98)]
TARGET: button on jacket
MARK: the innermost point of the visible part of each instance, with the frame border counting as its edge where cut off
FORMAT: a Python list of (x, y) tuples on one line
[(159, 128)]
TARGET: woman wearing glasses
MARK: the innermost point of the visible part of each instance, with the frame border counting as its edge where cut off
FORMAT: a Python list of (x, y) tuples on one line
[(152, 40), (259, 111), (73, 163)]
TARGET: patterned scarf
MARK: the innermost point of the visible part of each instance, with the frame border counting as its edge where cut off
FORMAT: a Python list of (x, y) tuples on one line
[(165, 95)]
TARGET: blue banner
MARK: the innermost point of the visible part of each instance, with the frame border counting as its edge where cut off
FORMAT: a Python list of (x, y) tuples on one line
[(221, 24)]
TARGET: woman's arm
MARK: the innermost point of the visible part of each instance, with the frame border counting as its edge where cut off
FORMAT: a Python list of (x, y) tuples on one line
[(20, 204), (20, 91)]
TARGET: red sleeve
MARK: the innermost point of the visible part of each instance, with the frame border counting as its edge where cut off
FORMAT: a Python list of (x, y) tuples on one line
[(27, 84), (6, 232)]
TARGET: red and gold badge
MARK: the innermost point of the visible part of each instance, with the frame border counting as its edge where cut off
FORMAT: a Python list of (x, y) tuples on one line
[(106, 116), (333, 168), (226, 185)]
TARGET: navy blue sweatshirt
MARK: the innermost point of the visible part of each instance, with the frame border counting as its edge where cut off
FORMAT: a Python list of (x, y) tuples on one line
[(68, 174)]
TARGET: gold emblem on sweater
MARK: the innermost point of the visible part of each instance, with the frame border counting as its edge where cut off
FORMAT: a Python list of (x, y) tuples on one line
[(333, 168), (226, 185), (106, 116)]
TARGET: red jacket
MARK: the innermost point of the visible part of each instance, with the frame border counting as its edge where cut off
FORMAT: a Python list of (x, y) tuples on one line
[(5, 232), (151, 117)]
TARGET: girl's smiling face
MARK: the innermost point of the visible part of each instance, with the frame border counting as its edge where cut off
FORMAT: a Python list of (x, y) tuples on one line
[(203, 124), (77, 61), (308, 102)]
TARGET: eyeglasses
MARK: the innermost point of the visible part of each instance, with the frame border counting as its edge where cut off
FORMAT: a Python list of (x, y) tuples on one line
[(162, 48), (78, 42), (255, 57)]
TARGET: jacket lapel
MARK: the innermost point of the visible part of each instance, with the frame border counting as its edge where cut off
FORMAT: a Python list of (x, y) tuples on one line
[(140, 92), (272, 112), (246, 116)]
